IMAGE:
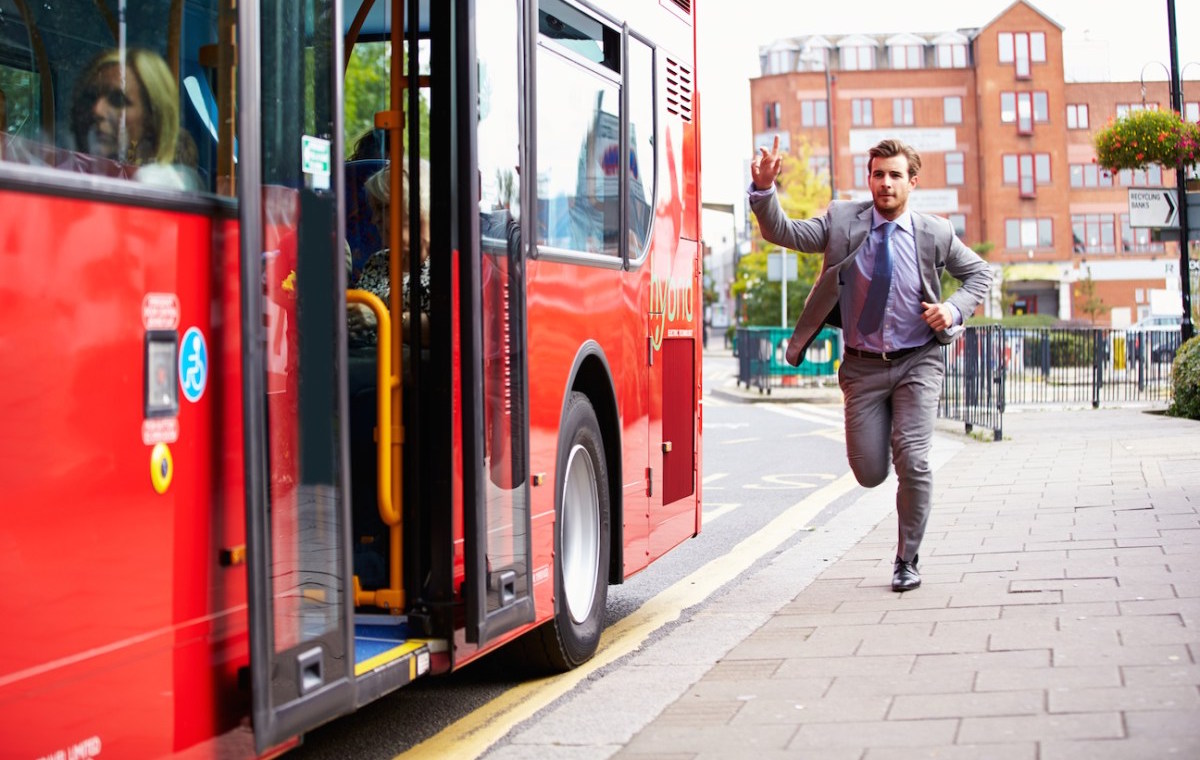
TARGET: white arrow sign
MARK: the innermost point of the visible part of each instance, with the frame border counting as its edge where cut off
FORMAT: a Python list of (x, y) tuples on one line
[(1153, 207)]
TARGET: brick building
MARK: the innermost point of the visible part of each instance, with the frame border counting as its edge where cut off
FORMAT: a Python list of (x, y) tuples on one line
[(1006, 146)]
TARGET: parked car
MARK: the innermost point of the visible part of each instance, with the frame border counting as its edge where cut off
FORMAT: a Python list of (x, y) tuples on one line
[(1161, 337)]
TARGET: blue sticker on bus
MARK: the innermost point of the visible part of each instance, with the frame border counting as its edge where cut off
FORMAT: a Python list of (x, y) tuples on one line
[(193, 364)]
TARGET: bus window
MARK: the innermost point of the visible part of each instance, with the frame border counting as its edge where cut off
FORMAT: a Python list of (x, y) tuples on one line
[(87, 90), (578, 132), (640, 94), (19, 113), (578, 153)]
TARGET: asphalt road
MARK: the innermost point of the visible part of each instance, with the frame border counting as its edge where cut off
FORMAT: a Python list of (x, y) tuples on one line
[(759, 461)]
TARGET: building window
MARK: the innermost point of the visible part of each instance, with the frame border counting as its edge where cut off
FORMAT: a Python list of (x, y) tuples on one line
[(959, 222), (902, 111), (1191, 111), (818, 166), (860, 171), (1024, 113), (1041, 107), (860, 112), (952, 109), (1077, 116), (952, 56), (1124, 109), (1025, 108), (907, 56), (1008, 107), (1138, 241), (772, 115), (1029, 233), (1021, 49), (857, 58), (1028, 184), (1151, 176), (954, 169), (813, 113), (1093, 233), (1037, 47), (1090, 175), (1028, 170), (780, 61)]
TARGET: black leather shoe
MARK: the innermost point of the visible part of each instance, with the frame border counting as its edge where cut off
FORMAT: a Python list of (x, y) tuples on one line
[(906, 577)]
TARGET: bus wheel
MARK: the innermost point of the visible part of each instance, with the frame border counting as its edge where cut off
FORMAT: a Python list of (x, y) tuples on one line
[(581, 541)]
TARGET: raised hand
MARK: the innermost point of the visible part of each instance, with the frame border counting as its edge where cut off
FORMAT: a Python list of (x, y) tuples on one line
[(765, 166)]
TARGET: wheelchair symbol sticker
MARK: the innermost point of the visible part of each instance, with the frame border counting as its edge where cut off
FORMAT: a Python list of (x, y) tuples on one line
[(193, 364)]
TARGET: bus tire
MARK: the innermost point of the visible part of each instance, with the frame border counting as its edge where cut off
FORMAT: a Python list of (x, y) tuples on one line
[(581, 541)]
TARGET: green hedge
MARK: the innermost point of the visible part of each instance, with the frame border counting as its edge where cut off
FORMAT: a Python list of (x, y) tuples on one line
[(1067, 349), (1185, 381)]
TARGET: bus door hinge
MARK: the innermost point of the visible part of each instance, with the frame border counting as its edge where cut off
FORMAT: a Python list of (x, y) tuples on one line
[(649, 481)]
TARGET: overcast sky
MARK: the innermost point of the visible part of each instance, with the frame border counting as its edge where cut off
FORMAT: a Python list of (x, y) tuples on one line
[(1124, 37)]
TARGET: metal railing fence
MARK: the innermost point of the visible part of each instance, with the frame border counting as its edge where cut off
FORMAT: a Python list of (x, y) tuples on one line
[(991, 367)]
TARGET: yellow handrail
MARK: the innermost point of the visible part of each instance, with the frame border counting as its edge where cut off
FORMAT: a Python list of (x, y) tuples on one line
[(384, 381), (390, 426), (389, 443)]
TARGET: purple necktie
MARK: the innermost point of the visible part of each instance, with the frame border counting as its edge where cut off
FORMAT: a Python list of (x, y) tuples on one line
[(881, 282)]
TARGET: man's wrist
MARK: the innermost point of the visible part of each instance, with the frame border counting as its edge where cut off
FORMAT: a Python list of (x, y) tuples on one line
[(756, 192)]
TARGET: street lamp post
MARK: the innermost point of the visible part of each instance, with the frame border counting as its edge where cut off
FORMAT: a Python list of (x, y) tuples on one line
[(821, 56), (1185, 276), (829, 129)]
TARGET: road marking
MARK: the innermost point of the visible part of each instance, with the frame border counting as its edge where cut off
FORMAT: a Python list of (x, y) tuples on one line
[(833, 434), (789, 481), (475, 733), (808, 413), (740, 440), (713, 510), (714, 477)]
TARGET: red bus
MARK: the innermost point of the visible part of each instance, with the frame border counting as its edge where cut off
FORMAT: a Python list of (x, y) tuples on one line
[(285, 429)]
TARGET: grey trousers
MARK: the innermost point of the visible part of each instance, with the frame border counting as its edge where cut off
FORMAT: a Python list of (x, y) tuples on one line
[(890, 409)]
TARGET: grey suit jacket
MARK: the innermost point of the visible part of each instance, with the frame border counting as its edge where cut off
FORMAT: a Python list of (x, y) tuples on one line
[(841, 234)]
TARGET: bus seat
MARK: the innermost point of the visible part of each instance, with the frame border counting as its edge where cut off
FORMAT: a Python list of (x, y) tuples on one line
[(361, 233)]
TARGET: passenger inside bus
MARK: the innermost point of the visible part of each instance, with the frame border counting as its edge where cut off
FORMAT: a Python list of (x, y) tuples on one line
[(374, 277), (130, 115), (371, 535)]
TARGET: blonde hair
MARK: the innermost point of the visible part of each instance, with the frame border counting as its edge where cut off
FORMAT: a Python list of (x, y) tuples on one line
[(161, 95), (379, 192)]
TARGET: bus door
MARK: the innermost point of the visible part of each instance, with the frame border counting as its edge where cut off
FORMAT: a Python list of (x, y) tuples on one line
[(499, 591), (292, 280)]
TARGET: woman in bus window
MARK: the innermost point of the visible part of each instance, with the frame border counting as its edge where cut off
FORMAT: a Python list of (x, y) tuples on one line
[(130, 114), (374, 277)]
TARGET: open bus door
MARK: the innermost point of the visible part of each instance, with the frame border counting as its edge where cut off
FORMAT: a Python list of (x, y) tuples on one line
[(455, 109), (301, 650)]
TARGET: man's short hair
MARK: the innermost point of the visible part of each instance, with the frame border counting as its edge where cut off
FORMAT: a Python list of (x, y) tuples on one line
[(891, 147)]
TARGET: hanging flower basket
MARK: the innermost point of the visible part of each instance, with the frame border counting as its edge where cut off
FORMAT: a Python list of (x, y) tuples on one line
[(1141, 138)]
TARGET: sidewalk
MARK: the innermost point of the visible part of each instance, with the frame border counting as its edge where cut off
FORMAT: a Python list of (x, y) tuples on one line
[(1059, 615)]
